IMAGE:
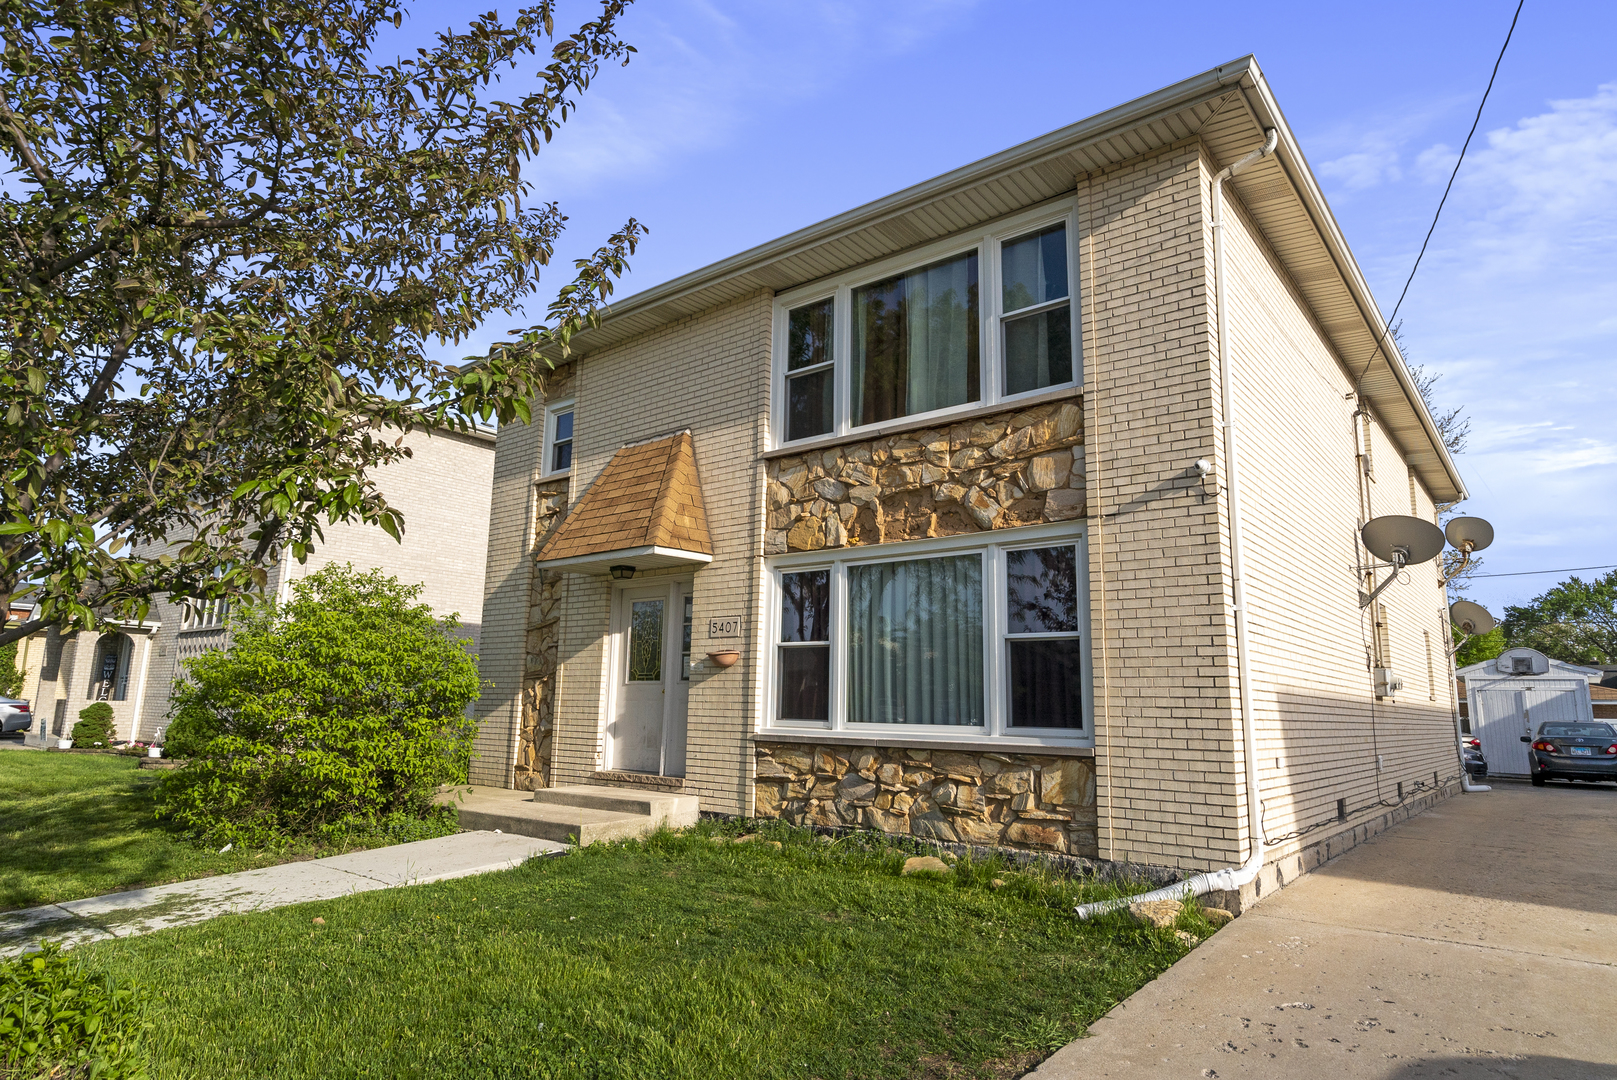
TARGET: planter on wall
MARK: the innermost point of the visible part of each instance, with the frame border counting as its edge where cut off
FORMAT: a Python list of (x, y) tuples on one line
[(724, 658)]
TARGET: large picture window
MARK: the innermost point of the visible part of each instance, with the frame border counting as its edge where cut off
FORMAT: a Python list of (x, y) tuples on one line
[(952, 327), (952, 637)]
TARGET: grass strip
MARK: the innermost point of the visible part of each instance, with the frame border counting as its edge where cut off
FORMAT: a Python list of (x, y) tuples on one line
[(680, 956), (80, 825)]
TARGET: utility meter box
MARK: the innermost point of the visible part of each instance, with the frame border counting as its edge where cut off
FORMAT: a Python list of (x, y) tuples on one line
[(1388, 682)]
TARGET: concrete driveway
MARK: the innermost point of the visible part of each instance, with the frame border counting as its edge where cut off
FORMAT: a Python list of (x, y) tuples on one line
[(1476, 940)]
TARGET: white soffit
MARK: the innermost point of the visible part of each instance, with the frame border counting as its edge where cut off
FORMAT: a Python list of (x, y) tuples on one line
[(1228, 108)]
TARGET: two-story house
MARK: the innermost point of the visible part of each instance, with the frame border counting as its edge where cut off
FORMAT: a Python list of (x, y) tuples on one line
[(442, 489), (924, 518)]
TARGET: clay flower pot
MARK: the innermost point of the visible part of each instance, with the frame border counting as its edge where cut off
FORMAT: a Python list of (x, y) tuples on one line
[(724, 658)]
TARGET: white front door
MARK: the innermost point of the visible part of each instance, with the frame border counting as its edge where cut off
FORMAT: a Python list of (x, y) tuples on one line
[(651, 679)]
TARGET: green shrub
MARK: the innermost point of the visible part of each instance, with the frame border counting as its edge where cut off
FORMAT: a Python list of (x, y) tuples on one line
[(338, 710), (59, 1020), (94, 728), (10, 676)]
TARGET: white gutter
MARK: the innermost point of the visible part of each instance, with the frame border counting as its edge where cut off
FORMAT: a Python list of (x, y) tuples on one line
[(1231, 878)]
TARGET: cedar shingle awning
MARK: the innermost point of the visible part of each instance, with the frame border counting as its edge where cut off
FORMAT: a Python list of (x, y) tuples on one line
[(644, 510)]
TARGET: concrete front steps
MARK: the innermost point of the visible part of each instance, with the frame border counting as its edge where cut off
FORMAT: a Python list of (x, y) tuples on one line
[(586, 812)]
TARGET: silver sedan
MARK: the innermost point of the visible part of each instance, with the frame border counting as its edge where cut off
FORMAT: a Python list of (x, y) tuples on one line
[(15, 715), (1573, 751)]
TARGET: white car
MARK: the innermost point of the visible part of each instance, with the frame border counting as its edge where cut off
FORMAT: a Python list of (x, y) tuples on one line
[(15, 715)]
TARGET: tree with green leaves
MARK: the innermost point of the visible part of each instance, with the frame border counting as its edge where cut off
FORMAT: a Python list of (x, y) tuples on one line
[(233, 242), (1575, 622)]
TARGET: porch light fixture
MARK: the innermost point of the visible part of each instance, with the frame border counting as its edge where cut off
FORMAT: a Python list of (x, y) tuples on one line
[(621, 572)]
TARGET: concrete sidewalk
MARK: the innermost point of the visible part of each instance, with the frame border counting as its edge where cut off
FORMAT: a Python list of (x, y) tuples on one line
[(1477, 940), (141, 911)]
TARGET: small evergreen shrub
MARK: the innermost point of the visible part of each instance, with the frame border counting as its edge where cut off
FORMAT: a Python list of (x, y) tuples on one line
[(94, 729), (336, 714), (59, 1020), (11, 678)]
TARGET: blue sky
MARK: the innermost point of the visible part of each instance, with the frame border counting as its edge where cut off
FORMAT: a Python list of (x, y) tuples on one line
[(741, 121)]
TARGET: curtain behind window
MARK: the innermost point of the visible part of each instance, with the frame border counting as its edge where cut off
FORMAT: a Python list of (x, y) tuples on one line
[(915, 642), (915, 341)]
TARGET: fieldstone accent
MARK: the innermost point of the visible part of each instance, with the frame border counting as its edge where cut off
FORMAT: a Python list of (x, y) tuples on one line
[(542, 663), (925, 864), (1217, 916), (1158, 913), (1032, 802), (1015, 468)]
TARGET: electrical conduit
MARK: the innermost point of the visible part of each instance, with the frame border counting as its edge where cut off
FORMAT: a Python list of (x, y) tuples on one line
[(1231, 878)]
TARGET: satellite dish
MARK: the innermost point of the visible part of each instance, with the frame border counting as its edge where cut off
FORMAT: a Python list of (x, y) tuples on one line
[(1469, 530), (1402, 540), (1471, 618)]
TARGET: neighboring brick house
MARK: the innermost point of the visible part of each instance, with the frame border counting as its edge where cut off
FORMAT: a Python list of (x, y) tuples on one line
[(961, 574), (443, 492)]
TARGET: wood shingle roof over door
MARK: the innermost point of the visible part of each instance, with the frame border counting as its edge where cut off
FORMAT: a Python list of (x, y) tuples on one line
[(1227, 108), (644, 509)]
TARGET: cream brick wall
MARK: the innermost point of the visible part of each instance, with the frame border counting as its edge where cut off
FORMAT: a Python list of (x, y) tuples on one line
[(1321, 727), (708, 373), (507, 576), (1163, 654)]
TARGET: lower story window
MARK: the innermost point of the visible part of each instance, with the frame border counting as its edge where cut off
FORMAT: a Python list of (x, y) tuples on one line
[(958, 637)]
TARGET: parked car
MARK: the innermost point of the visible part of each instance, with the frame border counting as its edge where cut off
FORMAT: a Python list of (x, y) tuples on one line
[(1573, 751), (1471, 751), (15, 715)]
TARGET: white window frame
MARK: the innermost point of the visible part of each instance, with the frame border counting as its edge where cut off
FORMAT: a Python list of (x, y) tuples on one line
[(986, 242), (203, 614), (551, 412), (996, 731)]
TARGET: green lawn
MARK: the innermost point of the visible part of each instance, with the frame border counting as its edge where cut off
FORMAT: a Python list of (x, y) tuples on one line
[(78, 825), (673, 957)]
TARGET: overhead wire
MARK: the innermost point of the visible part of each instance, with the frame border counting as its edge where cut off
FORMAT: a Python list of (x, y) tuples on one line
[(1391, 320), (1530, 573)]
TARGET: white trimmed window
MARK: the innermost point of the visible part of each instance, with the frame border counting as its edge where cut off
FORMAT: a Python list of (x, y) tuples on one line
[(957, 638), (203, 614), (968, 322), (558, 438)]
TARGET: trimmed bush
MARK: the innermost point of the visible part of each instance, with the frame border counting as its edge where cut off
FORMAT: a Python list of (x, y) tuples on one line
[(94, 728), (11, 679), (337, 712), (59, 1020)]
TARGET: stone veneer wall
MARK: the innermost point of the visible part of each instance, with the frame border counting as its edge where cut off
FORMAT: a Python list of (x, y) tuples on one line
[(981, 797), (1014, 468), (1019, 467), (541, 667)]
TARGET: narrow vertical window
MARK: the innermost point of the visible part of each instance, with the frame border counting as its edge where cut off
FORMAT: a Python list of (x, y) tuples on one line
[(916, 341), (1037, 311), (810, 374), (561, 441), (1042, 639), (805, 645), (685, 644), (1431, 673)]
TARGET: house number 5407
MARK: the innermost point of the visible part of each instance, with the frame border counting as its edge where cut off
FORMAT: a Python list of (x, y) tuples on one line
[(728, 626)]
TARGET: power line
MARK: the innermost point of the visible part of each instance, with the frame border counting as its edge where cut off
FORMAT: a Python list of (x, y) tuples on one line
[(1529, 573), (1382, 337)]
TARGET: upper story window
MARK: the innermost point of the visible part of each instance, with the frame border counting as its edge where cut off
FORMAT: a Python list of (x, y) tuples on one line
[(203, 614), (969, 321), (559, 437)]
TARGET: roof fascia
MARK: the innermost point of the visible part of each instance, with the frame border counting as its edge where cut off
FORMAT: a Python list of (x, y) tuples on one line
[(1290, 155)]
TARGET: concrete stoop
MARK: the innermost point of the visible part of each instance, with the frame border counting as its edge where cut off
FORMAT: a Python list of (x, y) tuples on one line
[(586, 812)]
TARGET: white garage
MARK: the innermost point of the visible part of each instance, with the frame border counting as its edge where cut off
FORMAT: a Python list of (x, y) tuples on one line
[(1512, 695)]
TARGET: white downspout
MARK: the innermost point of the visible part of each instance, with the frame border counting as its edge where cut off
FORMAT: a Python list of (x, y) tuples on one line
[(1231, 878)]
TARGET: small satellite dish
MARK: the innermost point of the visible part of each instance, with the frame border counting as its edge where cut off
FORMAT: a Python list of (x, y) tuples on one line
[(1404, 540), (1471, 618), (1469, 530)]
